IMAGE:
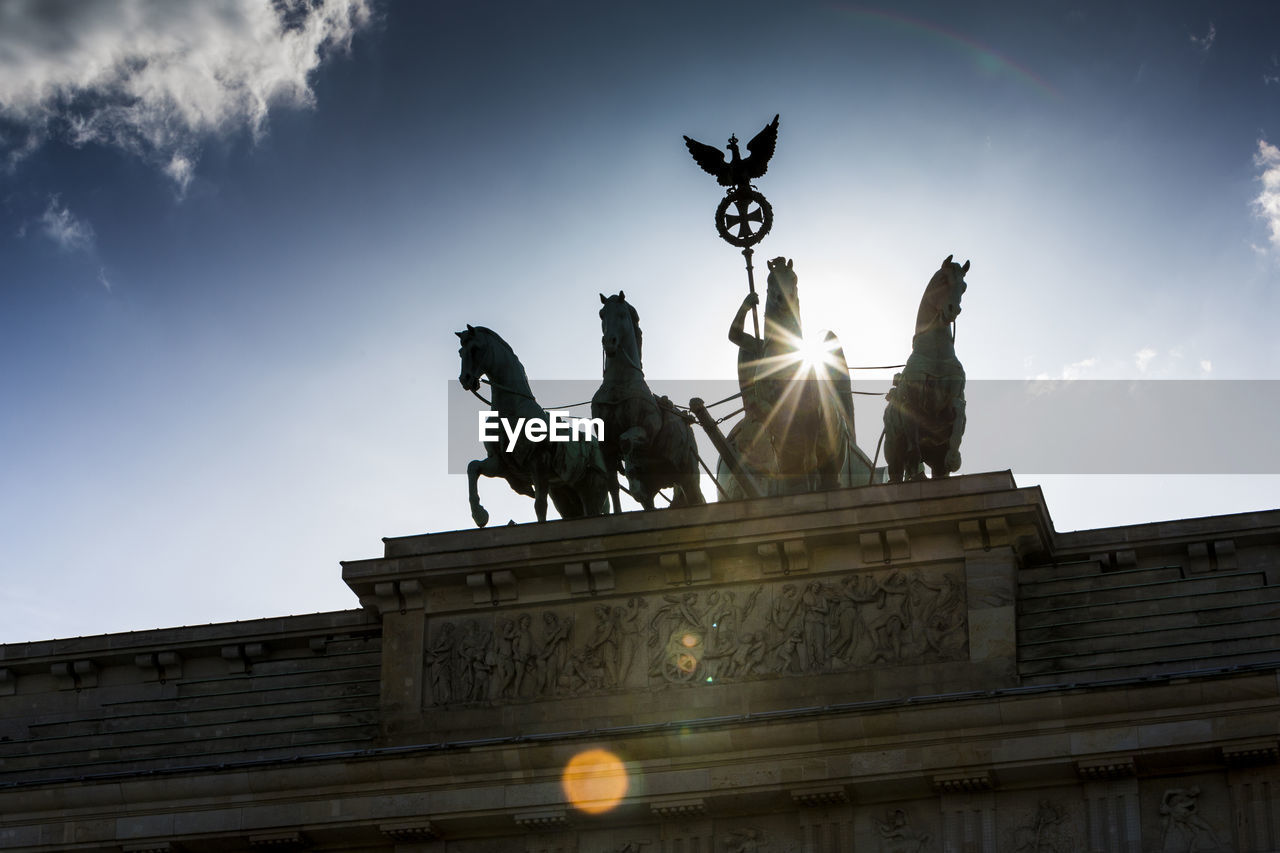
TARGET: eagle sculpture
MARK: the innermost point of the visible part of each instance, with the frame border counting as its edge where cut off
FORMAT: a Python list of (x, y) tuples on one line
[(737, 172)]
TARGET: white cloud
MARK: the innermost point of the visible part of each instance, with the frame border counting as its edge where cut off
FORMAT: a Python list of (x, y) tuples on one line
[(1206, 366), (103, 280), (1205, 42), (1143, 358), (63, 227), (154, 77), (1267, 204), (1076, 369)]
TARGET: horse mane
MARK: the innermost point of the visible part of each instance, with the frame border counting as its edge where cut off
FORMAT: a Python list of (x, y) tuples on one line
[(505, 346)]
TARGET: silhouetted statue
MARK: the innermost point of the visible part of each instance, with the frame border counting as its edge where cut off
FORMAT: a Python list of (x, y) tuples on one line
[(752, 217), (924, 418), (572, 473), (644, 436), (737, 172), (803, 412)]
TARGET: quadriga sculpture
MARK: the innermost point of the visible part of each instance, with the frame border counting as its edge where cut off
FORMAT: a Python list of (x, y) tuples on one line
[(644, 436), (797, 434), (572, 473), (924, 418)]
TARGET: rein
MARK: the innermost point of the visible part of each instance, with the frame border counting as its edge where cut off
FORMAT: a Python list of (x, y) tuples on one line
[(499, 387), (626, 356)]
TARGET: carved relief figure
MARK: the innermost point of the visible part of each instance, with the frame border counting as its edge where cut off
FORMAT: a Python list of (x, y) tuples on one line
[(897, 837), (888, 620), (522, 658), (1048, 832), (890, 617), (788, 655), (631, 846), (439, 659), (752, 839), (603, 645), (502, 670), (630, 626), (1185, 831), (474, 662), (783, 612), (586, 671), (555, 651), (676, 629), (817, 605), (943, 621), (747, 656)]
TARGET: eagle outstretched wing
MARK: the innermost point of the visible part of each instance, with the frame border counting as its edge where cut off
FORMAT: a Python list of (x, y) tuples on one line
[(710, 158), (737, 172), (761, 147)]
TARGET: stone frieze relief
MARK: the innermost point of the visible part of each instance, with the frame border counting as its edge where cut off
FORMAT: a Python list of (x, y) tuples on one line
[(726, 634)]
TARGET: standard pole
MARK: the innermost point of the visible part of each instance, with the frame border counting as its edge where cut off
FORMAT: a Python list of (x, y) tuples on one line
[(751, 285)]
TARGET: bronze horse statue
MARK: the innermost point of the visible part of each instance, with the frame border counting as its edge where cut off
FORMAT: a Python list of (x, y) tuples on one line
[(572, 473), (798, 432), (646, 439), (924, 419)]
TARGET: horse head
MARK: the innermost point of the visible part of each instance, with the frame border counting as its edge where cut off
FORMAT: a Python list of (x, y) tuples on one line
[(620, 327), (782, 299), (474, 358), (941, 302)]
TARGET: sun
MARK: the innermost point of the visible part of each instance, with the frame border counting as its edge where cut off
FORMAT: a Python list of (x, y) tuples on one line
[(814, 355)]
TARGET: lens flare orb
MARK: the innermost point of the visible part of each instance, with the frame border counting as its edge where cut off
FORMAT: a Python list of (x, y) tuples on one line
[(595, 781)]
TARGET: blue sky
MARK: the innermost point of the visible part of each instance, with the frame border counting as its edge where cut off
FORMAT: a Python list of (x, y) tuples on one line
[(236, 238)]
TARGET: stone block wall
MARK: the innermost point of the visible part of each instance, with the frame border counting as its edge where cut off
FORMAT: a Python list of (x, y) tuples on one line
[(897, 669)]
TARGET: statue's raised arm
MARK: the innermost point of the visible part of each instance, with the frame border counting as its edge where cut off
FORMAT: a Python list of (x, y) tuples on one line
[(738, 335)]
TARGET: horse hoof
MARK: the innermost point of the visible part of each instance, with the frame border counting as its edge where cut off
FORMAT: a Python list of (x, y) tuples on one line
[(480, 516)]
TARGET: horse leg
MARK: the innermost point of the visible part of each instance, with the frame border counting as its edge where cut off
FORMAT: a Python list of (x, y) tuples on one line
[(568, 502), (689, 491), (611, 463), (914, 405), (913, 455), (830, 452), (952, 461), (640, 492), (488, 467), (631, 446), (541, 485)]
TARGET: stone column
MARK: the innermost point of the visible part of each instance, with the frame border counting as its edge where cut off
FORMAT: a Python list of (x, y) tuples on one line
[(1254, 783), (400, 604), (968, 810), (1112, 816), (826, 820), (991, 569), (685, 828)]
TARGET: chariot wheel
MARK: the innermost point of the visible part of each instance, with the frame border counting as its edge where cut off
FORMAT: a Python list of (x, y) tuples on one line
[(743, 218)]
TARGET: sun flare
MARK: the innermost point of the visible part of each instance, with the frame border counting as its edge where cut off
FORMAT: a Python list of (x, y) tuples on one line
[(815, 354), (595, 781)]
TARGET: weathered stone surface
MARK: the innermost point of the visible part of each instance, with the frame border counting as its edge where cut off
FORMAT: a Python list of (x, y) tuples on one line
[(919, 667)]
